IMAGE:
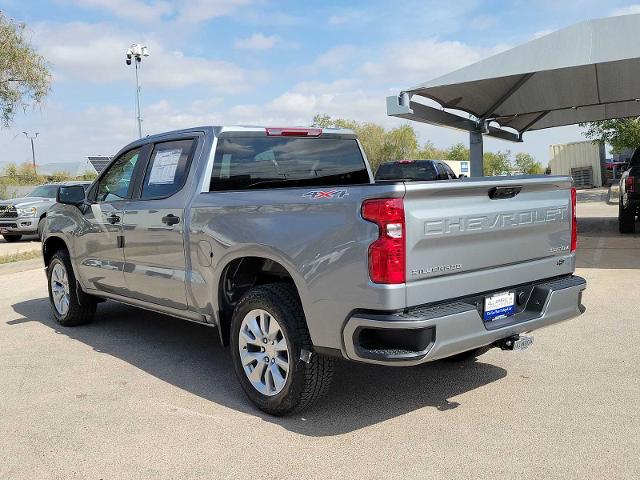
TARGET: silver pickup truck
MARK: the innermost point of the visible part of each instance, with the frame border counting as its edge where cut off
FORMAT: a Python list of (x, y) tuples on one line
[(281, 238), (26, 215)]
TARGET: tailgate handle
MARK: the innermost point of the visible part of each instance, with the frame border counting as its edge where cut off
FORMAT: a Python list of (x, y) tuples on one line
[(497, 193)]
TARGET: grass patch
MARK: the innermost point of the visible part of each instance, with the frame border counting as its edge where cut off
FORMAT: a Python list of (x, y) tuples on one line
[(17, 257)]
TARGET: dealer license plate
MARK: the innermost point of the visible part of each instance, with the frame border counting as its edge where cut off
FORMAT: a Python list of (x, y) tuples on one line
[(499, 305)]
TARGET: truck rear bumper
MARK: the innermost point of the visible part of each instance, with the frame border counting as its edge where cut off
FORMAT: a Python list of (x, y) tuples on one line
[(432, 332)]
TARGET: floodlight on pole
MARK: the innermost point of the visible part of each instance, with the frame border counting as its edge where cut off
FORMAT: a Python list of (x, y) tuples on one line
[(134, 54), (33, 150)]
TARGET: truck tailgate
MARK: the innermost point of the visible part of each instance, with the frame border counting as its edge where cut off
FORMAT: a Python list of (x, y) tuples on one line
[(476, 235)]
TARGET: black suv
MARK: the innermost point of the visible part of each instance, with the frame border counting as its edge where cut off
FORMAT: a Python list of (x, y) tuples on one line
[(629, 201), (415, 170)]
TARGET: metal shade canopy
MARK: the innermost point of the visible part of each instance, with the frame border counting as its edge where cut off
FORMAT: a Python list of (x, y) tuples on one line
[(586, 72)]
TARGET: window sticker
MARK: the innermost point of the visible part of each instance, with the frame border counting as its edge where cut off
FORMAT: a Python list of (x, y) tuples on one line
[(165, 164)]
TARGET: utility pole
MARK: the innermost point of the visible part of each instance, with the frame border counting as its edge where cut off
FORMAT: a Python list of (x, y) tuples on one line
[(134, 54), (33, 150)]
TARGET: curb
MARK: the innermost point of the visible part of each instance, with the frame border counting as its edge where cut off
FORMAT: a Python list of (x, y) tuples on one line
[(21, 266)]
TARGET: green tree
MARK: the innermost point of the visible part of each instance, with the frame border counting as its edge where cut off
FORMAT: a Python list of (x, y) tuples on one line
[(430, 152), (401, 143), (526, 164), (27, 175), (60, 176), (620, 133), (457, 152), (10, 174), (88, 175), (379, 144), (496, 163), (24, 76)]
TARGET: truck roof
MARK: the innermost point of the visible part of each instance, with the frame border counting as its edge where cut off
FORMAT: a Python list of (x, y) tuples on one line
[(216, 130)]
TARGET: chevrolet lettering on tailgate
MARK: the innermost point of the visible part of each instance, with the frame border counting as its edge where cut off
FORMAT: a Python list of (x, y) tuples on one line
[(445, 226)]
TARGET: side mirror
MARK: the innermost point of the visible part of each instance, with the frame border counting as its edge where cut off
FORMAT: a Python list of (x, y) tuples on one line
[(71, 195)]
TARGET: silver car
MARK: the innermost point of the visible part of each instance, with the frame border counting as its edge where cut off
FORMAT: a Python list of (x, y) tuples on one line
[(26, 215)]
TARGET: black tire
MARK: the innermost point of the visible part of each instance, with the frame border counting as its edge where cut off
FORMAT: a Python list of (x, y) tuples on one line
[(82, 307), (41, 225), (11, 238), (626, 219), (307, 381), (469, 355)]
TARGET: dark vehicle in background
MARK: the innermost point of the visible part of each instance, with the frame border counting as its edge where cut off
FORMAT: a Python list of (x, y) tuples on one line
[(415, 170), (25, 215), (629, 200)]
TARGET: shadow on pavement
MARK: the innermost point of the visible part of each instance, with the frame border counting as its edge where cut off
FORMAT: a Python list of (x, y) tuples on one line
[(190, 357), (601, 245)]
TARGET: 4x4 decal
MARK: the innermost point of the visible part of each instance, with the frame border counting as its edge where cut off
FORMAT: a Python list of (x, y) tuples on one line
[(317, 194)]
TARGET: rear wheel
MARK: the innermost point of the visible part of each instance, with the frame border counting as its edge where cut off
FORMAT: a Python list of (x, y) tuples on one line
[(69, 306), (12, 238), (268, 337), (626, 219)]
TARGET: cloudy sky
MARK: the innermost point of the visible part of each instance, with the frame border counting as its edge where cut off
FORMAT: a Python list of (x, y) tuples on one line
[(266, 62)]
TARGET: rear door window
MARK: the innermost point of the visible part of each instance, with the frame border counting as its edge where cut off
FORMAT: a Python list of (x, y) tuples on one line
[(254, 162), (168, 168)]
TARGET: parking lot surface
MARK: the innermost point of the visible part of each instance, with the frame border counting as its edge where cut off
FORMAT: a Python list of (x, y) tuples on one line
[(141, 395), (26, 244)]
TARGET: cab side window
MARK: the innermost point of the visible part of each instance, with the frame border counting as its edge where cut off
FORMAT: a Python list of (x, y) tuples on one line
[(116, 184), (168, 168)]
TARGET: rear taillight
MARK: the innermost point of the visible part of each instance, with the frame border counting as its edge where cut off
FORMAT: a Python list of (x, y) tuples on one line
[(293, 132), (630, 184), (387, 253), (574, 222)]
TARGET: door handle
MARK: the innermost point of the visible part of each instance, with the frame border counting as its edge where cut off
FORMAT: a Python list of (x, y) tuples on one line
[(113, 218), (170, 219)]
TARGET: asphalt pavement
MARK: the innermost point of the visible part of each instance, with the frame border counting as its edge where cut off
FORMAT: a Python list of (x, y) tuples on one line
[(141, 395)]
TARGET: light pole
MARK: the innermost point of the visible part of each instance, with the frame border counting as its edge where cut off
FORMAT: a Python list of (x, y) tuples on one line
[(33, 150), (135, 54)]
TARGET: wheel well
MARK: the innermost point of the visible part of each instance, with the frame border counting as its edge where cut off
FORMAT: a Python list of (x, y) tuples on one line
[(51, 246), (238, 277)]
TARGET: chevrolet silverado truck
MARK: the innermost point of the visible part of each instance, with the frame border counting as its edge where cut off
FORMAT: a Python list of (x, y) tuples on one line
[(26, 215), (629, 197), (281, 238)]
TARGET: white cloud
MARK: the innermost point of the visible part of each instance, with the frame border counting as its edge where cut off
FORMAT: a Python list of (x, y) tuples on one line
[(257, 41), (628, 10), (137, 10), (336, 58), (95, 53), (193, 11), (418, 61), (189, 11)]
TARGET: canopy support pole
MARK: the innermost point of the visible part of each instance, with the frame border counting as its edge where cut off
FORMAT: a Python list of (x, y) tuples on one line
[(476, 153)]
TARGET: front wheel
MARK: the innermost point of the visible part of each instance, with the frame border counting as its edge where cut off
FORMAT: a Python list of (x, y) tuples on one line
[(69, 306), (626, 219), (268, 337), (41, 225), (11, 238)]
